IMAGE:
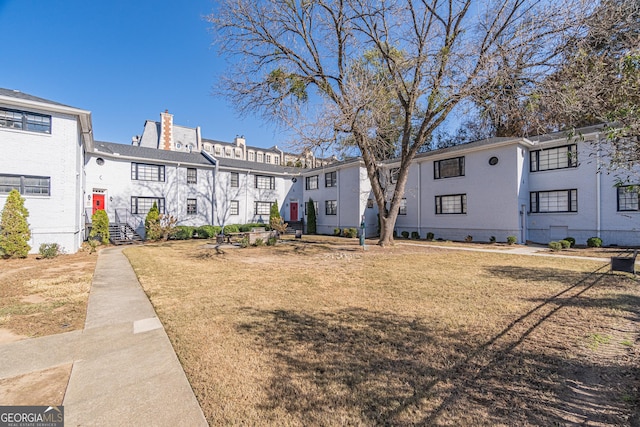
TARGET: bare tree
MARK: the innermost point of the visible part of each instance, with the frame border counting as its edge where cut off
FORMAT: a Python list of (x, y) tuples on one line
[(599, 81), (379, 76)]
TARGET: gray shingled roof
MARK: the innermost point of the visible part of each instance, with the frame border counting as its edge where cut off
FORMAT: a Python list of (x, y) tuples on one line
[(466, 146), (255, 166), (152, 154), (12, 93), (564, 134)]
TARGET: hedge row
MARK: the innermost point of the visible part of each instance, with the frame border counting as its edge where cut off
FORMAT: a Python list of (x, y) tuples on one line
[(185, 232)]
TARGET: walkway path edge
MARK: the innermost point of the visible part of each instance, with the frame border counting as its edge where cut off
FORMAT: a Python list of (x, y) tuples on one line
[(125, 371)]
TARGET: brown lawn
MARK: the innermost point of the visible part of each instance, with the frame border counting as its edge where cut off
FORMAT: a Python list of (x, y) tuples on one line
[(44, 296), (327, 334), (41, 297)]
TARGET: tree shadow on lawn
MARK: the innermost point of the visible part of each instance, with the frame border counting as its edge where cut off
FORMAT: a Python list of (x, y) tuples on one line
[(359, 366)]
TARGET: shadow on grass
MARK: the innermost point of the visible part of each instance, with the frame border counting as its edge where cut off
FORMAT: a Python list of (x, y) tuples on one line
[(358, 366)]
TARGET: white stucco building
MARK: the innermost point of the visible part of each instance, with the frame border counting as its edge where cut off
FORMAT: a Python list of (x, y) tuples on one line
[(126, 180), (537, 189), (43, 145)]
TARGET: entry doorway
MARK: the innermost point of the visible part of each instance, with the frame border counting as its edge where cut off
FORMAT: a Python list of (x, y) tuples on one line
[(98, 203), (293, 211)]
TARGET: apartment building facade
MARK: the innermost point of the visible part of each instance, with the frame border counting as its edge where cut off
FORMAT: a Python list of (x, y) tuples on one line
[(537, 189)]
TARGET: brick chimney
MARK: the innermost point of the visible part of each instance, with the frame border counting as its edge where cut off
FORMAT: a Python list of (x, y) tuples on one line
[(166, 131)]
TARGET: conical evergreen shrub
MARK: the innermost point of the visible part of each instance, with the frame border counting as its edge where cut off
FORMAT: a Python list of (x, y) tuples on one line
[(14, 228)]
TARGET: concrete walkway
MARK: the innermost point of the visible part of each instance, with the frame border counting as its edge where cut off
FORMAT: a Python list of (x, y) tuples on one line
[(125, 371), (515, 250)]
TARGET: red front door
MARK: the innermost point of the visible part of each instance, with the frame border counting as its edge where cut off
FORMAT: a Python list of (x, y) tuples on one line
[(98, 203), (293, 211)]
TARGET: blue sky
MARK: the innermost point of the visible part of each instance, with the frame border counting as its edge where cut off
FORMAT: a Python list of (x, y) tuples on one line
[(125, 61)]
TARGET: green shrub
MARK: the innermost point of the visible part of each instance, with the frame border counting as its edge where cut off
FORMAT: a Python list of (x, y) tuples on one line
[(100, 226), (274, 213), (184, 232), (405, 234), (272, 241), (511, 240), (311, 217), (555, 246), (415, 235), (14, 228), (151, 222), (49, 250), (594, 242), (430, 236), (565, 244), (492, 239), (244, 242), (337, 232), (259, 242), (207, 231), (245, 228), (351, 232), (571, 240), (164, 228), (231, 228), (469, 238)]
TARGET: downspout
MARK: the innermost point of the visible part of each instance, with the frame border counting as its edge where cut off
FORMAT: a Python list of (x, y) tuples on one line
[(246, 196), (419, 197), (598, 187), (214, 180), (338, 198), (178, 185)]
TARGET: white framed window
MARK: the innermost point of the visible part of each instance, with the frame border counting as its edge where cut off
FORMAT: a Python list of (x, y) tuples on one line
[(330, 179), (24, 120), (146, 172), (403, 207), (192, 176), (311, 182), (315, 207), (142, 205), (265, 182), (628, 198), (235, 179), (554, 158), (554, 201), (234, 207), (451, 204), (448, 168), (331, 207), (26, 185), (192, 206), (263, 208)]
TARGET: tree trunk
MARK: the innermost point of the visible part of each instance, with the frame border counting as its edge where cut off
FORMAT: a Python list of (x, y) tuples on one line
[(386, 230)]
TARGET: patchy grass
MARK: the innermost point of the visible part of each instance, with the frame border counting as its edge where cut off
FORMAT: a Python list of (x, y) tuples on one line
[(44, 296), (320, 332)]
